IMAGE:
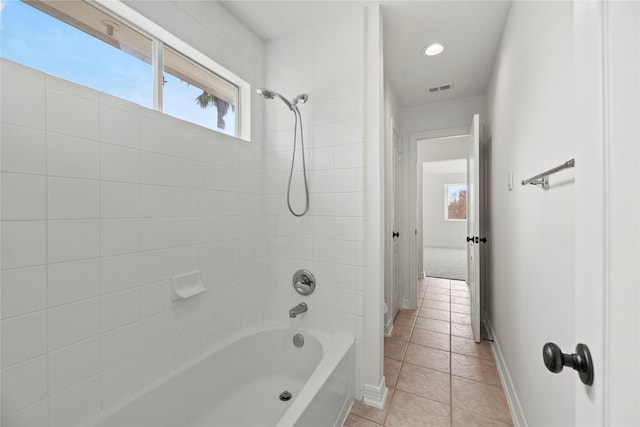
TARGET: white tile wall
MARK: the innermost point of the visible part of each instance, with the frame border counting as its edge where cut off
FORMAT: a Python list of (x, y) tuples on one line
[(23, 149), (24, 197), (73, 364), (102, 202), (23, 291), (324, 60), (86, 260)]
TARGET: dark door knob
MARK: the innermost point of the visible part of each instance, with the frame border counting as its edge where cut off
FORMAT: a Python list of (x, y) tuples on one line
[(555, 360), (395, 234), (483, 240), (469, 239)]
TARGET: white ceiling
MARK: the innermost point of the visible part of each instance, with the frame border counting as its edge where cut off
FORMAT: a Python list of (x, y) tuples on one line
[(470, 30), (271, 19)]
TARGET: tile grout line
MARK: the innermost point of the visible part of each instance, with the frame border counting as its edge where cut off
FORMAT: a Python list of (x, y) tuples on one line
[(451, 375)]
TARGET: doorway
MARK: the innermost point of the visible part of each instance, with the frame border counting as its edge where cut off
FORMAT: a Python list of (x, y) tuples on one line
[(444, 217), (442, 227)]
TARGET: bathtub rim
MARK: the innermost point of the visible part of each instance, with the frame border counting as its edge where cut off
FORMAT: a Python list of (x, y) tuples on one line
[(334, 348)]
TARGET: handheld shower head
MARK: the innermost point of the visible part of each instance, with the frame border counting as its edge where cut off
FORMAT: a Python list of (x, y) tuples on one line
[(293, 106), (270, 94), (300, 99), (265, 93)]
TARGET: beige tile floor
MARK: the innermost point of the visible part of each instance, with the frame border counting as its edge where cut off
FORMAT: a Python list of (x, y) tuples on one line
[(436, 374)]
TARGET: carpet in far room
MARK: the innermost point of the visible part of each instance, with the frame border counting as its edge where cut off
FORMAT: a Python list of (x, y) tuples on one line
[(448, 263)]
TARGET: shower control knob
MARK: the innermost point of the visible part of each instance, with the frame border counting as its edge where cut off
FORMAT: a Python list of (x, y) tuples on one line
[(303, 282)]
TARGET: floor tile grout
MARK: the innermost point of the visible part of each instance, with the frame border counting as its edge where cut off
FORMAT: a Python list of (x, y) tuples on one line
[(410, 320)]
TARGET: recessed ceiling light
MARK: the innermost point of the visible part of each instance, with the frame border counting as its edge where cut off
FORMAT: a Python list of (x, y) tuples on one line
[(433, 49)]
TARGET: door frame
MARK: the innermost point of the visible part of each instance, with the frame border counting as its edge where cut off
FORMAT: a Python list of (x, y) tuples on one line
[(475, 193), (414, 243), (607, 299)]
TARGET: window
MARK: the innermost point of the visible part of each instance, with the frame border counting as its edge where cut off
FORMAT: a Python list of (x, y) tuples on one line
[(91, 46), (455, 203), (196, 94), (80, 43)]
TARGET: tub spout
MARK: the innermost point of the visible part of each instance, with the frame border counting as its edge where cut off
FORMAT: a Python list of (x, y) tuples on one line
[(298, 309)]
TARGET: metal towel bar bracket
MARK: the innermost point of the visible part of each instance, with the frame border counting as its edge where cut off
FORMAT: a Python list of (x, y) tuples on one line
[(542, 179)]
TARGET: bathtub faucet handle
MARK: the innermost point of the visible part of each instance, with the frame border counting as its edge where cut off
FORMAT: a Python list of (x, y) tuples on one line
[(303, 282)]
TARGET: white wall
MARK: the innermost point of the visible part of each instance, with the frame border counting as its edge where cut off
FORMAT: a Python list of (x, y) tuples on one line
[(438, 232), (326, 61), (443, 149), (102, 202), (531, 231), (441, 115)]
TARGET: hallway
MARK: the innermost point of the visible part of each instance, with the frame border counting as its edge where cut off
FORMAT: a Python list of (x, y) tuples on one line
[(436, 374)]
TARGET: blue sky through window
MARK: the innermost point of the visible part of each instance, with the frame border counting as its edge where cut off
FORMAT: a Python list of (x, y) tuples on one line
[(179, 101), (37, 40)]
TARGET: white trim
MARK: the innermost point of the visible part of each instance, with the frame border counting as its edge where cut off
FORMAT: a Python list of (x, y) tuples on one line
[(517, 414), (591, 216), (445, 246), (375, 395), (406, 301), (157, 62), (154, 30), (373, 319), (388, 327)]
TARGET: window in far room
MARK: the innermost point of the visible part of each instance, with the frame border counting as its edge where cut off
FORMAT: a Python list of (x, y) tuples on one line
[(455, 203)]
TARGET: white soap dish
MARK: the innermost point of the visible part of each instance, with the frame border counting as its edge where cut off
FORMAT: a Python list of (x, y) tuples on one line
[(186, 286)]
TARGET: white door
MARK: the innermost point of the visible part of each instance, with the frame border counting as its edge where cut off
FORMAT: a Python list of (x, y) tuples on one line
[(607, 284), (392, 285), (473, 224), (396, 294)]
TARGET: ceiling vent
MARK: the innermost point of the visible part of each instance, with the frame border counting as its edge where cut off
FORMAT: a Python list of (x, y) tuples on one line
[(440, 88)]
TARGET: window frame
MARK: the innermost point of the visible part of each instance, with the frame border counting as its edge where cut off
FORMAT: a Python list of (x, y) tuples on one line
[(446, 201), (161, 39)]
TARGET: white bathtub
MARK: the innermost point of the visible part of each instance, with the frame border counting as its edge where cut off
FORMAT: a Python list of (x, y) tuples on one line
[(238, 383)]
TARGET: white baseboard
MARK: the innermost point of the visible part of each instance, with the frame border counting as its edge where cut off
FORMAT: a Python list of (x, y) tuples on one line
[(517, 414), (406, 303), (375, 395), (388, 328), (445, 246)]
